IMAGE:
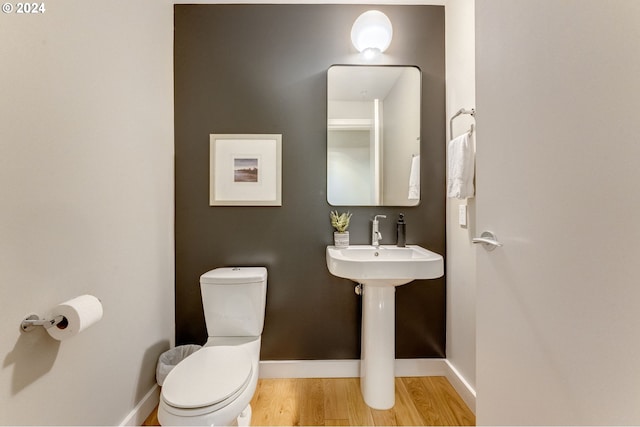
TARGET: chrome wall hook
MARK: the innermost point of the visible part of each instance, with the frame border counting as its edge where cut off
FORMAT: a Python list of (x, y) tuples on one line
[(30, 322)]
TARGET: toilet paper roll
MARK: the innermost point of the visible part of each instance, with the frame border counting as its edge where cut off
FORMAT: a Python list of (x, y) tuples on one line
[(80, 313)]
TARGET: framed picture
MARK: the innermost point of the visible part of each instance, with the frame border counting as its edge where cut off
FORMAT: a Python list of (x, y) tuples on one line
[(245, 170)]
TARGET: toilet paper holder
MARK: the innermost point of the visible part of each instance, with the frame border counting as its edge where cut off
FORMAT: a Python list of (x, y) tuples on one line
[(30, 322)]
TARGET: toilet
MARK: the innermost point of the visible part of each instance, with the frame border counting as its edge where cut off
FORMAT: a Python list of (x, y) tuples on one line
[(215, 384)]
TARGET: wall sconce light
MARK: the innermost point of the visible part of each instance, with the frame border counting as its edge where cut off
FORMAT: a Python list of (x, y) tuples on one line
[(371, 33)]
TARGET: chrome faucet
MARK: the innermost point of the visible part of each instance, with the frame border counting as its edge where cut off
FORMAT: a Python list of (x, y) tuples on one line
[(376, 235)]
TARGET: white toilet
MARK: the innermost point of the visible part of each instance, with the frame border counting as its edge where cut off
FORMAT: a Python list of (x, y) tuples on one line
[(215, 384)]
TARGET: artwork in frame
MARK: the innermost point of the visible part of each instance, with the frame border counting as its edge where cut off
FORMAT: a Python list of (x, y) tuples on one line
[(245, 170)]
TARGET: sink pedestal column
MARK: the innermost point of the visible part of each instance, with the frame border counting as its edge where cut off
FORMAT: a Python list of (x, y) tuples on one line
[(377, 361)]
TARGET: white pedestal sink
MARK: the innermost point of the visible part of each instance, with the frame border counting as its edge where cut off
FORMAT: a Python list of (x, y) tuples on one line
[(380, 270)]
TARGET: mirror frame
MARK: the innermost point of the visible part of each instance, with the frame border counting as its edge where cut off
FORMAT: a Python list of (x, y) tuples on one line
[(373, 189)]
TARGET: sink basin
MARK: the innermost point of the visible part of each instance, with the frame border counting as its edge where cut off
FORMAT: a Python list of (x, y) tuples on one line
[(386, 265), (380, 269)]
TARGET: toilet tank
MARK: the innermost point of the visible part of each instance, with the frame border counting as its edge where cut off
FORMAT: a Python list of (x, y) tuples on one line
[(234, 301)]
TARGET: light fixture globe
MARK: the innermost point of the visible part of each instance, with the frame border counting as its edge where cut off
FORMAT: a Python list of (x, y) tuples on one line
[(372, 31)]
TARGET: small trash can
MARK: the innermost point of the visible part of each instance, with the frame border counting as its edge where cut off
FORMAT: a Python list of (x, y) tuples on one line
[(170, 358)]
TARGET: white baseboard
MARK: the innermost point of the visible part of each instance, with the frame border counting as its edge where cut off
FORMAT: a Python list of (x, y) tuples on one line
[(351, 368), (142, 410), (420, 367), (347, 368), (309, 368), (464, 389)]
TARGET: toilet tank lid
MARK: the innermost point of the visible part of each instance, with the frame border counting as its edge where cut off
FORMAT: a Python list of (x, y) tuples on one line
[(234, 275)]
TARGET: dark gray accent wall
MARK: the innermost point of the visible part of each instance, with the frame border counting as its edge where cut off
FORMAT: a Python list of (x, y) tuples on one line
[(263, 69)]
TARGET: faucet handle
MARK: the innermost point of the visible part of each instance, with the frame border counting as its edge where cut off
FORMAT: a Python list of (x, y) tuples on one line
[(376, 235)]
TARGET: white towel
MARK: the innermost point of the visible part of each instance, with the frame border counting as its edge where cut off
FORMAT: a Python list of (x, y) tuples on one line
[(414, 179), (460, 167)]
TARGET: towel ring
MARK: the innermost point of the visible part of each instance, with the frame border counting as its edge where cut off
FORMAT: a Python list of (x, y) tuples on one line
[(471, 112)]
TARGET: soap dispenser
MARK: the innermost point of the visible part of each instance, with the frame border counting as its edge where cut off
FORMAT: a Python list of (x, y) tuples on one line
[(401, 232)]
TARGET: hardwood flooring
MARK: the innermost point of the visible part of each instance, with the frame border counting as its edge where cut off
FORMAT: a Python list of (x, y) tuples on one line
[(420, 401)]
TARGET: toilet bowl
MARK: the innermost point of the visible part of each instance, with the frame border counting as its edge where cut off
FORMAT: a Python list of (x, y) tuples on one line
[(215, 385)]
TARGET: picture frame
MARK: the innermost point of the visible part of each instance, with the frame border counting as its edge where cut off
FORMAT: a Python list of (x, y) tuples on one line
[(245, 170)]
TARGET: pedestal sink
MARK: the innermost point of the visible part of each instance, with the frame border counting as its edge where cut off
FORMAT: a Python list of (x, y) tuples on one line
[(380, 269)]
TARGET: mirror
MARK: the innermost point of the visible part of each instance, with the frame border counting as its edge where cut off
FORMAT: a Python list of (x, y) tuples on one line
[(373, 135)]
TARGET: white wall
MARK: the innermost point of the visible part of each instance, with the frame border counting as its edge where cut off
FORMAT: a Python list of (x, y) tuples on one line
[(86, 197), (401, 138), (349, 160), (460, 259), (558, 95)]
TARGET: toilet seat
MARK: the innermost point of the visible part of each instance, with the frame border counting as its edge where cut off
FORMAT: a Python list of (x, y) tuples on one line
[(208, 380)]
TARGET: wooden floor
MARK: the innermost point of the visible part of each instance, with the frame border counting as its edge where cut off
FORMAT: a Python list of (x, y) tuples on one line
[(338, 402)]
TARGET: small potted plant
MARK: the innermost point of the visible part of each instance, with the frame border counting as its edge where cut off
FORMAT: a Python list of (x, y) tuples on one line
[(340, 222)]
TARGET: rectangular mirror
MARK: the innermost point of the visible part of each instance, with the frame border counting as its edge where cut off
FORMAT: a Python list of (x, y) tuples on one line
[(373, 135)]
